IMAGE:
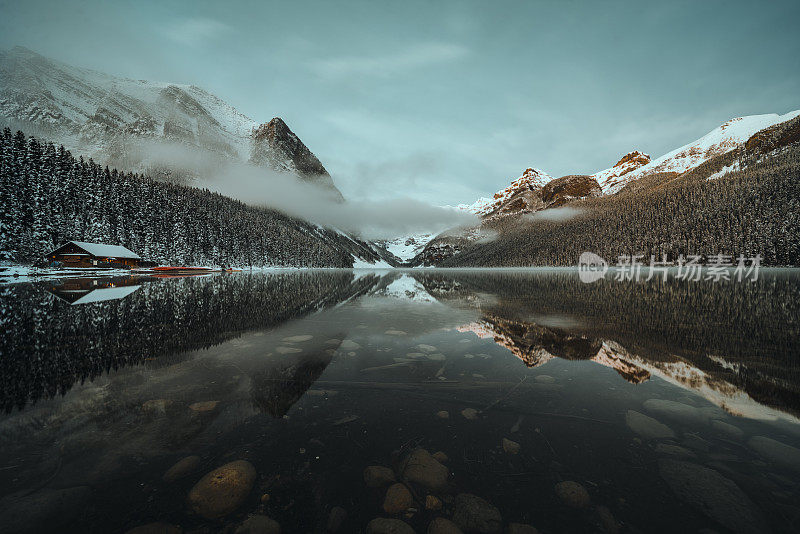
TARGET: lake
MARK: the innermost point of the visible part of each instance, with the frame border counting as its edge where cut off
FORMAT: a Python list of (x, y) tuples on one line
[(331, 398)]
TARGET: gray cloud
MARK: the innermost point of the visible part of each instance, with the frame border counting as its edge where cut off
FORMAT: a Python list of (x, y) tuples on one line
[(412, 57), (195, 31), (258, 186), (494, 88)]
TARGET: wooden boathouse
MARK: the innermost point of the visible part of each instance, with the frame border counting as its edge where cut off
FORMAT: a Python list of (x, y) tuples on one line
[(94, 255)]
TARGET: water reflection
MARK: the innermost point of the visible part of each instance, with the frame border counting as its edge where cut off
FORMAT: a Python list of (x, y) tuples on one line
[(671, 406)]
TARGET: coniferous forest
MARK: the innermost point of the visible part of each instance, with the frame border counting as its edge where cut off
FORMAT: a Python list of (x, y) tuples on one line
[(49, 197)]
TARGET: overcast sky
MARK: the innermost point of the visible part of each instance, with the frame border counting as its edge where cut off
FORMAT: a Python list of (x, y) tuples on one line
[(447, 101)]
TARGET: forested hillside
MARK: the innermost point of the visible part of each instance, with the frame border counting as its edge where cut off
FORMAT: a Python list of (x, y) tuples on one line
[(47, 197), (712, 209)]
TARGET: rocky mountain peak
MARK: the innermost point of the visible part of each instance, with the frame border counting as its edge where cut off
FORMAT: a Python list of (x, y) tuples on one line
[(277, 146), (634, 159)]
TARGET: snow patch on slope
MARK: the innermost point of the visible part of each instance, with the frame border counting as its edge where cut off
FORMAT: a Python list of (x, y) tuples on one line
[(407, 247), (530, 179), (718, 141), (407, 288)]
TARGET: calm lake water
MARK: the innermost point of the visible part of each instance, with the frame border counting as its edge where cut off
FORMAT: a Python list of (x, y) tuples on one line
[(666, 406)]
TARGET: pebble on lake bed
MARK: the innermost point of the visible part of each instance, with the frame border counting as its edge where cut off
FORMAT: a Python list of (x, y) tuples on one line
[(433, 503), (420, 467), (443, 414), (336, 517), (297, 339), (382, 525), (203, 407), (258, 524), (714, 495), (440, 525), (511, 447), (155, 528), (182, 468), (470, 413), (440, 457), (777, 452), (398, 499), (519, 528), (377, 476), (726, 429), (573, 494), (222, 490), (473, 514), (647, 427)]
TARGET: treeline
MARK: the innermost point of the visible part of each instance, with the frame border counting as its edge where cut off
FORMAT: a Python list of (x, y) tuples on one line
[(47, 196), (754, 211), (47, 345), (656, 321)]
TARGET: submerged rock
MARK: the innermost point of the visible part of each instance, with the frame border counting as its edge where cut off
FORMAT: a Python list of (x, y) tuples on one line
[(382, 525), (573, 494), (713, 494), (606, 519), (336, 518), (182, 468), (440, 525), (156, 528), (349, 345), (398, 499), (157, 406), (519, 528), (222, 490), (440, 457), (377, 476), (443, 414), (433, 503), (473, 514), (727, 430), (203, 407), (543, 379), (647, 427), (674, 450), (470, 413), (297, 339), (420, 467), (46, 510), (676, 411), (258, 524), (697, 443), (511, 447), (777, 452)]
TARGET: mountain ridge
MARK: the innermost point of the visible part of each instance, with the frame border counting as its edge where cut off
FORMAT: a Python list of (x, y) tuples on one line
[(107, 117)]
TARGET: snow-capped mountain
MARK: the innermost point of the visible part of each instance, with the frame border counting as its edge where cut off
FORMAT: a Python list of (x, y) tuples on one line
[(408, 246), (633, 165), (618, 174), (718, 141), (531, 180), (109, 118)]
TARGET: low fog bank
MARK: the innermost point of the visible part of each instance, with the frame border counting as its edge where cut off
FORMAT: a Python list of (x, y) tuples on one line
[(555, 214), (258, 186)]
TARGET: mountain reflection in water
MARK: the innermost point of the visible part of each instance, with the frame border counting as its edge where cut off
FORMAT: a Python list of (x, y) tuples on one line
[(314, 375)]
